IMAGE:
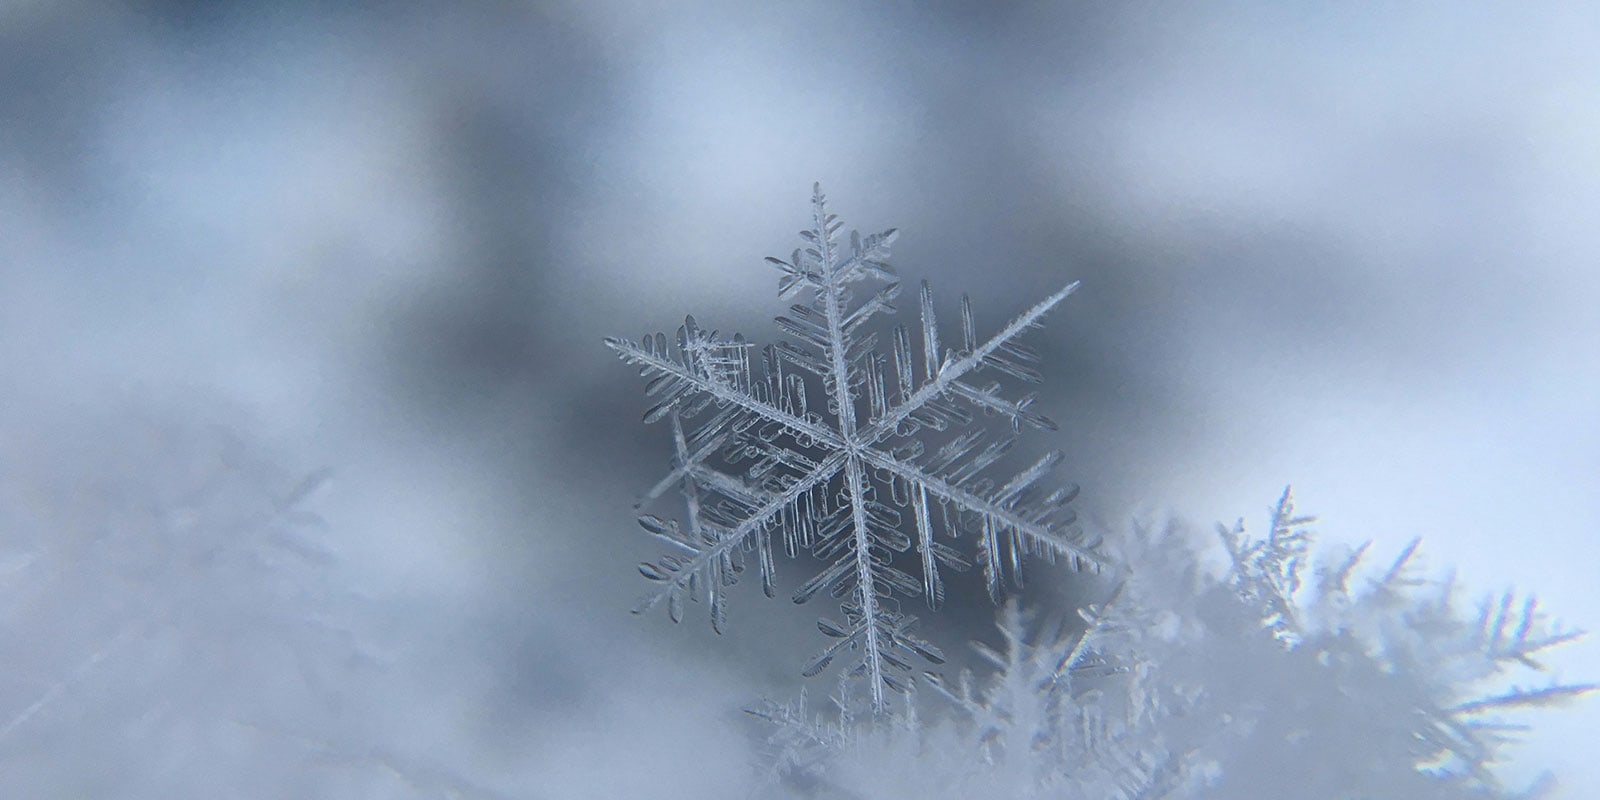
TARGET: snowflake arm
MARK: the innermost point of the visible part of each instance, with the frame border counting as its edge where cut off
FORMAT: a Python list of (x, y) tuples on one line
[(677, 575), (998, 352)]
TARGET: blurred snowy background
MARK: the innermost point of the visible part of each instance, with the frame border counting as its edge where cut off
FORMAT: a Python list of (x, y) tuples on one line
[(1352, 250)]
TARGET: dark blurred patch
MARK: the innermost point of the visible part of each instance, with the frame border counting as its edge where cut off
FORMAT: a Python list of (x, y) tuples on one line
[(510, 96), (222, 21), (58, 73), (203, 18)]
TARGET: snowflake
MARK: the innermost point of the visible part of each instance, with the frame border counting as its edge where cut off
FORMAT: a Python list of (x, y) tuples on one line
[(757, 460)]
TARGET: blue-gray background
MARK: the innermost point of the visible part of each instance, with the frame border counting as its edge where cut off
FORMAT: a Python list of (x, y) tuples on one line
[(1354, 250)]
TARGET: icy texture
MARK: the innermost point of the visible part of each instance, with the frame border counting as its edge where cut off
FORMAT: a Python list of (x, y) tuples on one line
[(167, 596), (828, 444), (1294, 681), (177, 617), (1256, 683)]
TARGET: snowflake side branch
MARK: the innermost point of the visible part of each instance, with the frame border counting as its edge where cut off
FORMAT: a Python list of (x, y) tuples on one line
[(730, 539), (1031, 529), (687, 463), (1096, 617), (953, 369), (632, 353), (1523, 698)]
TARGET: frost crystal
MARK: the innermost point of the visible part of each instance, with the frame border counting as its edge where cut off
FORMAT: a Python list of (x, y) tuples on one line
[(852, 480), (1272, 679)]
